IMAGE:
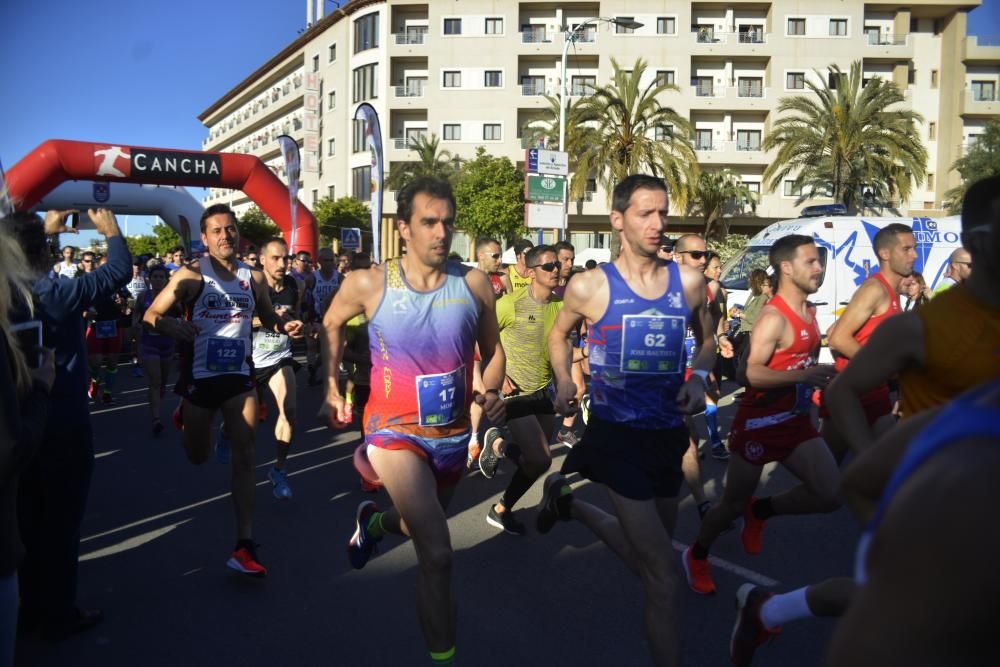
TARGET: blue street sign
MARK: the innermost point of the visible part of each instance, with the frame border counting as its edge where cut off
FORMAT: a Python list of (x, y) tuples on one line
[(350, 238), (532, 160)]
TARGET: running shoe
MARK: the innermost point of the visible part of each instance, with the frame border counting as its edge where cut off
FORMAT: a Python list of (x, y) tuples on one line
[(568, 437), (178, 416), (361, 547), (505, 521), (699, 576), (548, 508), (157, 427), (245, 560), (262, 412), (719, 451), (279, 484), (585, 409), (475, 449), (223, 450), (92, 389), (748, 631), (752, 534), (488, 458)]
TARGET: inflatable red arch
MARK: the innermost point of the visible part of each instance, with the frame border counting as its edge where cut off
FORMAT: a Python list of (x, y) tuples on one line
[(57, 160)]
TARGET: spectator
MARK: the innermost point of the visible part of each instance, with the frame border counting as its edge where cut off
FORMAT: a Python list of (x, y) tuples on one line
[(54, 486), (959, 269), (917, 291)]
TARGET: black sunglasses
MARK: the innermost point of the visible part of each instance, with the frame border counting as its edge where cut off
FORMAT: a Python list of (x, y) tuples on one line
[(695, 254), (494, 255), (666, 248), (548, 267)]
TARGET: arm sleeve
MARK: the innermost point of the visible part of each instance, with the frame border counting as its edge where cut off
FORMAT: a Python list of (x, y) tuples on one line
[(61, 298), (22, 422)]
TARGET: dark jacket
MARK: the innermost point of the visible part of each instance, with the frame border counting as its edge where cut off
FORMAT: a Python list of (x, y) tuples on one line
[(60, 305)]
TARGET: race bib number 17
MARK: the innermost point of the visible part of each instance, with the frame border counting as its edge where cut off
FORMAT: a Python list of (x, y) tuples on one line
[(441, 397)]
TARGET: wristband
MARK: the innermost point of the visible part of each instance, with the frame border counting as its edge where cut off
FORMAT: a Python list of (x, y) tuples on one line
[(492, 391), (702, 374)]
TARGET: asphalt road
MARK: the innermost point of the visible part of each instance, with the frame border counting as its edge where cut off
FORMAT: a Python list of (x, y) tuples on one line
[(158, 532)]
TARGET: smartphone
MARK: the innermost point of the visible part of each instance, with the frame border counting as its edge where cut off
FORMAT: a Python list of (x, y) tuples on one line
[(73, 221), (29, 338)]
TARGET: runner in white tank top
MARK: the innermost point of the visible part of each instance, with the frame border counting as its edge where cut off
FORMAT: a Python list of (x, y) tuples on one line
[(220, 295)]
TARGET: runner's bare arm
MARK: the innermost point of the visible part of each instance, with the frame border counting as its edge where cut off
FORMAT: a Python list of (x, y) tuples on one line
[(269, 319), (576, 306), (896, 344), (691, 396), (860, 309), (766, 339), (349, 303), (720, 319), (182, 289), (494, 361)]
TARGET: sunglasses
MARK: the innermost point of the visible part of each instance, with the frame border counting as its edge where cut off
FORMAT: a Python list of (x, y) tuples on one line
[(86, 261), (548, 267), (493, 255), (666, 248), (695, 254)]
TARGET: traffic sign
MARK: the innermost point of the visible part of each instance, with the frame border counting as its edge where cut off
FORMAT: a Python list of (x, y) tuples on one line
[(544, 188), (531, 159), (350, 238), (553, 162), (543, 216)]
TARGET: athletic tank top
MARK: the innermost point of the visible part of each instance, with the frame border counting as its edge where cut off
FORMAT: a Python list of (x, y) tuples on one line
[(802, 353), (636, 352), (136, 287), (421, 351), (270, 347), (524, 332), (517, 281), (68, 271), (866, 330), (223, 311), (959, 420), (962, 337), (322, 289)]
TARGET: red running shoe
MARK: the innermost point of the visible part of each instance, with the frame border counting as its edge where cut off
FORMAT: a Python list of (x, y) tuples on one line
[(749, 631), (699, 576), (244, 560), (178, 416), (753, 530)]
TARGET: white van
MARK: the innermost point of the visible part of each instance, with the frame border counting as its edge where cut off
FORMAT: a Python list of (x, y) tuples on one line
[(845, 247)]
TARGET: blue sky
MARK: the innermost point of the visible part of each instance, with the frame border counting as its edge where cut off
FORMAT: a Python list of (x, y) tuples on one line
[(139, 73)]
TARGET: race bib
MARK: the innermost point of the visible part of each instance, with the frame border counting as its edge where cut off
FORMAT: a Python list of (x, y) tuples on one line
[(653, 343), (225, 355), (106, 329), (268, 341), (441, 397)]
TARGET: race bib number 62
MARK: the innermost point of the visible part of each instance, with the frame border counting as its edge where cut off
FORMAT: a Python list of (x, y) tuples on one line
[(653, 343)]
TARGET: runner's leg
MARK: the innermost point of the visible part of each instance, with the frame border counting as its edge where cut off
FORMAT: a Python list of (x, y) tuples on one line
[(240, 417), (812, 463), (282, 385)]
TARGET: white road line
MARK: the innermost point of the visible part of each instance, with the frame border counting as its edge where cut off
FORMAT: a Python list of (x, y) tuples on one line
[(132, 542), (101, 455), (340, 495), (120, 407), (733, 568)]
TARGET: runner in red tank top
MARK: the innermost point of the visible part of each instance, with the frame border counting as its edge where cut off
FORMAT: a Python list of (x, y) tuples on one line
[(875, 301), (773, 422)]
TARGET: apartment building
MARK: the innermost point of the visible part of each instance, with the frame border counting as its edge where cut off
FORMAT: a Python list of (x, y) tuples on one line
[(474, 73)]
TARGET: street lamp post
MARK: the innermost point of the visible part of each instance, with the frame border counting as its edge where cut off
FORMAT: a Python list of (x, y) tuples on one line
[(570, 38)]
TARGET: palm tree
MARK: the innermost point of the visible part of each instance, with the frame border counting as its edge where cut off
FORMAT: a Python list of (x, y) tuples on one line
[(430, 162), (844, 139), (715, 194)]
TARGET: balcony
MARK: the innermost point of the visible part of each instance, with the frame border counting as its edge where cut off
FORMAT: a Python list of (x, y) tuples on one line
[(731, 152), (539, 36), (887, 45), (410, 37), (531, 89), (735, 42), (976, 103), (982, 50), (409, 91), (739, 97)]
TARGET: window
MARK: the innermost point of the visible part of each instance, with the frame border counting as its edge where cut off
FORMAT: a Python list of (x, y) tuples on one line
[(452, 80), (873, 34), (414, 135), (331, 192), (532, 85), (331, 100), (452, 132), (930, 181), (934, 78), (984, 91), (748, 140), (494, 26), (315, 63), (361, 178), (491, 132), (415, 86), (911, 76), (365, 82), (932, 130), (665, 77), (702, 86), (754, 188), (622, 30), (706, 33), (332, 53), (666, 25), (838, 27), (582, 85), (796, 26), (663, 132), (751, 34), (315, 197), (750, 87), (493, 78), (590, 189), (703, 140), (366, 33), (331, 147), (832, 80), (358, 143), (453, 26), (795, 80), (532, 34), (792, 190)]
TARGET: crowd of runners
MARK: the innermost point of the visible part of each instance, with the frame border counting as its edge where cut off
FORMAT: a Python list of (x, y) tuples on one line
[(448, 369)]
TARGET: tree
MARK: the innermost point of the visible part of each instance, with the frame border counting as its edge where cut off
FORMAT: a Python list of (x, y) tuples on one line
[(256, 228), (334, 215), (981, 160), (844, 139), (730, 245), (430, 162), (489, 196), (159, 242), (717, 193)]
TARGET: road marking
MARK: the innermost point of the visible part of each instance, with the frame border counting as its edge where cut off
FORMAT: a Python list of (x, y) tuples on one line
[(120, 407), (340, 495), (132, 542), (101, 455), (733, 568)]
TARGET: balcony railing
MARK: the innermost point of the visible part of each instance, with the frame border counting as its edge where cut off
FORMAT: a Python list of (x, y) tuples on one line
[(708, 90), (534, 37), (410, 91), (751, 36), (412, 37), (588, 35), (581, 90), (750, 90), (982, 95), (529, 89), (748, 146), (885, 39), (707, 146), (734, 36)]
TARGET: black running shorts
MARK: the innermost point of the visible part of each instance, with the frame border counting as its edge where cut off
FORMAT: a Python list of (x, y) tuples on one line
[(211, 393), (640, 464), (265, 374)]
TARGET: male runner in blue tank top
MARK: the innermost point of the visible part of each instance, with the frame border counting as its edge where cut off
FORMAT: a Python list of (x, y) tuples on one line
[(637, 310), (425, 316)]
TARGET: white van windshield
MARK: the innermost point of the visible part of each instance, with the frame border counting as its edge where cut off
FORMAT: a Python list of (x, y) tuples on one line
[(736, 272)]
